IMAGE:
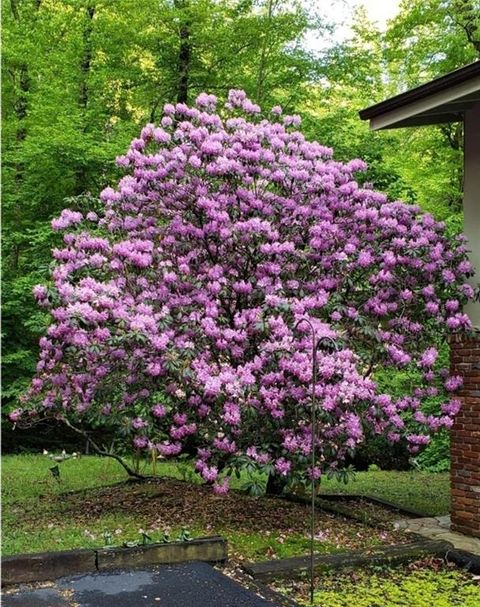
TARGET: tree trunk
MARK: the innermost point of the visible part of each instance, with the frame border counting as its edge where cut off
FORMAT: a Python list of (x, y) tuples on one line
[(83, 92), (21, 111), (262, 65), (275, 485), (99, 451), (465, 15), (184, 54), (86, 59)]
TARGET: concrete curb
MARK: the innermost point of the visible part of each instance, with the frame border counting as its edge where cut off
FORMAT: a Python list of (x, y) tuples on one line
[(45, 566)]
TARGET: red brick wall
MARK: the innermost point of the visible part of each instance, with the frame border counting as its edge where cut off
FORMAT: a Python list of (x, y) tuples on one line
[(465, 436)]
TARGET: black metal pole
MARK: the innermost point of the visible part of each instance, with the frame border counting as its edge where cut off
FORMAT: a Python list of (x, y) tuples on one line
[(315, 346), (314, 461)]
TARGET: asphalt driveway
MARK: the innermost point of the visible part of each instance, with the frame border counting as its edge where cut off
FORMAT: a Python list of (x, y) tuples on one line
[(184, 585)]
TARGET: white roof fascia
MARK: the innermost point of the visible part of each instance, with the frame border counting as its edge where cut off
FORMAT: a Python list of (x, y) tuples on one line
[(389, 119)]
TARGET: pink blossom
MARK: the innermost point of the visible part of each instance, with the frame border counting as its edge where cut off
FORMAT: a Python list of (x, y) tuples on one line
[(186, 285), (283, 466), (428, 358), (15, 415), (67, 218), (453, 383), (138, 422), (210, 473), (221, 488), (159, 411)]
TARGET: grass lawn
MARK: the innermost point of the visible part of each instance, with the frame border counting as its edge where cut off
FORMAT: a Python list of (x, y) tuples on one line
[(423, 491), (41, 513)]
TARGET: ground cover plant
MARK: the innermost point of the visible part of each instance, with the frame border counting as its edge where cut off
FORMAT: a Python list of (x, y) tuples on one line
[(418, 584), (182, 305), (92, 498)]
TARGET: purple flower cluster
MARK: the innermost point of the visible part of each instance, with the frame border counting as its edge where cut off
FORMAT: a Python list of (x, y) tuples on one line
[(227, 231)]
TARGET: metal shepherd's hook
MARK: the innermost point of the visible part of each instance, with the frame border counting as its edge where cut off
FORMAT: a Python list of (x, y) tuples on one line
[(316, 345)]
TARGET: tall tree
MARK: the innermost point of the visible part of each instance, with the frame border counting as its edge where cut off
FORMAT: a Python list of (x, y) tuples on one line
[(80, 78), (184, 50)]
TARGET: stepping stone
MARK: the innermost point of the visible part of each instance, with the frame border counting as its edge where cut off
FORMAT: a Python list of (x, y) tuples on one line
[(438, 528)]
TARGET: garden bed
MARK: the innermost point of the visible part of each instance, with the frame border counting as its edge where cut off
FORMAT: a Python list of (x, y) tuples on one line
[(92, 500), (421, 583), (365, 510), (257, 528), (377, 505)]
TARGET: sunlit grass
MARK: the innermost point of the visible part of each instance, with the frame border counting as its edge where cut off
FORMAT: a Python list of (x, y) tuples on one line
[(425, 492), (36, 518)]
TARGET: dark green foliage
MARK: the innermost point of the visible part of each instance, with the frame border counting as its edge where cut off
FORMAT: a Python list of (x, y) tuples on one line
[(436, 457), (82, 76), (379, 452), (80, 79)]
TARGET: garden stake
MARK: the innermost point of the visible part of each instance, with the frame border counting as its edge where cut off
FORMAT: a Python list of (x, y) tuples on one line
[(316, 344), (55, 470)]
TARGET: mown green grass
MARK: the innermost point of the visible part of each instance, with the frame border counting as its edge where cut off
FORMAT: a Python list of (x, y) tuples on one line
[(37, 518), (30, 494), (32, 499), (428, 493)]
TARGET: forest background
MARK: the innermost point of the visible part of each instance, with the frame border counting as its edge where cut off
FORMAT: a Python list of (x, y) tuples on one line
[(81, 77)]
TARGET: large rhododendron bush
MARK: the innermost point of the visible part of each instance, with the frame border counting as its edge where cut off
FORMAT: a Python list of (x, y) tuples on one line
[(175, 308)]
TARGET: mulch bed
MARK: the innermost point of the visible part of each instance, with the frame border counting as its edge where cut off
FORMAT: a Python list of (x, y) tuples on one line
[(364, 509), (173, 503)]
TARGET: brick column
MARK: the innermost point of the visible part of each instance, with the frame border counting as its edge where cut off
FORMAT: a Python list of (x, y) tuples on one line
[(465, 436)]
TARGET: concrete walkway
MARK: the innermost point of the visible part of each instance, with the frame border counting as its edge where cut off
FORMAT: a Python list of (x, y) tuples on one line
[(185, 585), (438, 528)]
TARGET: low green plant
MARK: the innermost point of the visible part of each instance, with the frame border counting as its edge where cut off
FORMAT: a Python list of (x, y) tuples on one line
[(423, 588), (149, 538), (184, 535), (254, 487), (108, 539), (422, 584)]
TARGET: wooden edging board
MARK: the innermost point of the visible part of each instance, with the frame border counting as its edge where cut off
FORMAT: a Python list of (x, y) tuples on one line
[(400, 553), (464, 559), (51, 565), (370, 498), (335, 506)]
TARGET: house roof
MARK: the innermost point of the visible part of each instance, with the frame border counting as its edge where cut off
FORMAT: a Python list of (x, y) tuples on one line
[(443, 99)]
